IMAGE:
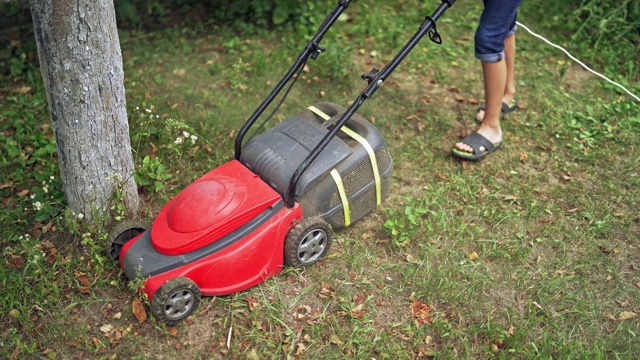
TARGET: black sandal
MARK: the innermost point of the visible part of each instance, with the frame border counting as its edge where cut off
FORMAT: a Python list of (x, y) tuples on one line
[(476, 141)]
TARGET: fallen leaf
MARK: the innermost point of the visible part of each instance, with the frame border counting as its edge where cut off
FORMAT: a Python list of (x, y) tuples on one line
[(473, 256), (47, 245), (173, 331), (334, 339), (106, 328), (420, 312), (326, 291), (627, 315), (179, 72), (357, 311), (523, 156), (117, 316), (17, 262), (137, 307), (473, 101), (84, 279), (609, 316), (252, 302), (23, 193), (5, 185)]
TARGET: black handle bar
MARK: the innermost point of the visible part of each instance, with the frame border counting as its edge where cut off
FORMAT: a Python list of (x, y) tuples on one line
[(312, 50), (376, 79)]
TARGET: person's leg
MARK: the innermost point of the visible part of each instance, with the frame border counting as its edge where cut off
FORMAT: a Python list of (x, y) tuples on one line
[(495, 48), (495, 81), (509, 58)]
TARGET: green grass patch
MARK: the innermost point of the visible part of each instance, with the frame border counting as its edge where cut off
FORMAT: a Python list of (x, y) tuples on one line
[(531, 253)]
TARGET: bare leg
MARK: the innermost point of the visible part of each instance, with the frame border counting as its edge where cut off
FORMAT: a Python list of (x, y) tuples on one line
[(509, 57), (495, 82)]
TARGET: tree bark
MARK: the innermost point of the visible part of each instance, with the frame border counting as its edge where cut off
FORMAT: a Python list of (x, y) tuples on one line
[(81, 65)]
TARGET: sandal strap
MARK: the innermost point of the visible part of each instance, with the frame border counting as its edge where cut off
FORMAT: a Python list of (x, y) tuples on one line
[(476, 141)]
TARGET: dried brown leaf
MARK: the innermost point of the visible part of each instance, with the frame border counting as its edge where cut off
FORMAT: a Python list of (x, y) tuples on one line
[(137, 307), (523, 156), (17, 262), (252, 302), (473, 256), (627, 315), (420, 312), (106, 328)]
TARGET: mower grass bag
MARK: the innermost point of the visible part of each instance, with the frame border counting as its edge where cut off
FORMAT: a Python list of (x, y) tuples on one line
[(348, 180)]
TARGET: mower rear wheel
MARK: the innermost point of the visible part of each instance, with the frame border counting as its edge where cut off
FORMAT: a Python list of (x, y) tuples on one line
[(121, 233), (307, 243), (175, 300)]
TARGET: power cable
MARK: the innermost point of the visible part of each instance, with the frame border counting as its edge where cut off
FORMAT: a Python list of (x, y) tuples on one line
[(578, 61)]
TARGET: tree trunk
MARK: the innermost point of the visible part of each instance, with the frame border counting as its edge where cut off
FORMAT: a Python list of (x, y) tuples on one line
[(81, 65)]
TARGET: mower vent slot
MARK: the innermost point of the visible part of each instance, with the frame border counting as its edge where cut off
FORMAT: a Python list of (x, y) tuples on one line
[(362, 175), (363, 205)]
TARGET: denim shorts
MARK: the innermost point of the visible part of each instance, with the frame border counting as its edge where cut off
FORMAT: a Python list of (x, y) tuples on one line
[(497, 22)]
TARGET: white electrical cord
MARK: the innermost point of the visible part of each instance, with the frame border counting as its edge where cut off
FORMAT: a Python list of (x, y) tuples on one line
[(578, 61)]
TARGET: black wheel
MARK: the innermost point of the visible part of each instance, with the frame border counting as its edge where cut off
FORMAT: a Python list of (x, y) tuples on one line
[(121, 233), (175, 301), (307, 243)]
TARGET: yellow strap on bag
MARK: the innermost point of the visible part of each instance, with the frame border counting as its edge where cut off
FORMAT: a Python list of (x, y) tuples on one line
[(343, 196), (372, 157)]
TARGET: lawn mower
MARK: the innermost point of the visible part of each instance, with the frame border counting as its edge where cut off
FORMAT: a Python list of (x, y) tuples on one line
[(277, 202)]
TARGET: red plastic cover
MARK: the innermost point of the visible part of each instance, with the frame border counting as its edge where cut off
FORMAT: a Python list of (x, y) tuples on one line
[(211, 207)]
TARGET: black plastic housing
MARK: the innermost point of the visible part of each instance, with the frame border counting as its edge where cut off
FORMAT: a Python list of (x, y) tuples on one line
[(276, 154)]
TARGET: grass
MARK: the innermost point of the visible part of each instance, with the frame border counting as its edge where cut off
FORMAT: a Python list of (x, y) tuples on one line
[(531, 253)]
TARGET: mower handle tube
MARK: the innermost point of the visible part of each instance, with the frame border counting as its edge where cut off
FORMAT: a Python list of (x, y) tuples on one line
[(312, 50), (376, 79)]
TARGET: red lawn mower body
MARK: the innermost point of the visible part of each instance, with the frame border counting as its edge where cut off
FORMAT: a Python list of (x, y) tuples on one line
[(200, 221)]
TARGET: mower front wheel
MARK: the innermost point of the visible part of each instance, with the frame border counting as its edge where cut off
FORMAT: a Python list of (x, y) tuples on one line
[(175, 300), (121, 233), (307, 243)]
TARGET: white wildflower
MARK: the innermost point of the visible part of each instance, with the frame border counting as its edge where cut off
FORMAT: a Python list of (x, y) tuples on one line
[(193, 139), (147, 110), (80, 216), (186, 134), (38, 205), (178, 141)]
